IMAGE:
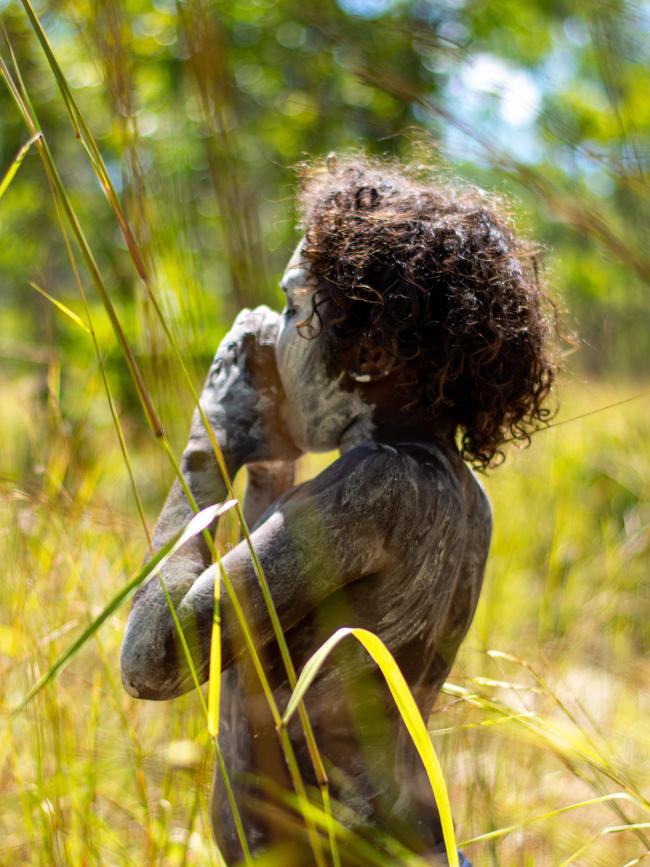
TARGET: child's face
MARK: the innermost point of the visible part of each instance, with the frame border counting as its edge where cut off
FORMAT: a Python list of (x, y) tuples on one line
[(320, 414)]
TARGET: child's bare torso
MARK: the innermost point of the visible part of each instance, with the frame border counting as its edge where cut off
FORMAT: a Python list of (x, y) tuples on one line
[(429, 522)]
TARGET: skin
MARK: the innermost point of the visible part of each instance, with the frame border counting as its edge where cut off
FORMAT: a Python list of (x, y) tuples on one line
[(322, 415), (393, 536)]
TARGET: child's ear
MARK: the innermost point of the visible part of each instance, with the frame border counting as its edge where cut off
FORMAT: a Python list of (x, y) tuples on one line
[(370, 361)]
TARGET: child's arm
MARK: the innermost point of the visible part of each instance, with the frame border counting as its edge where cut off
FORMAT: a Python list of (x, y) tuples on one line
[(242, 399), (330, 532)]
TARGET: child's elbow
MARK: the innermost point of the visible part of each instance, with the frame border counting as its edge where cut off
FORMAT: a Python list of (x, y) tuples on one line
[(148, 664)]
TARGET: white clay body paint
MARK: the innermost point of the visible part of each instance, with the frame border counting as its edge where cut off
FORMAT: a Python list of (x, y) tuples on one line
[(320, 414)]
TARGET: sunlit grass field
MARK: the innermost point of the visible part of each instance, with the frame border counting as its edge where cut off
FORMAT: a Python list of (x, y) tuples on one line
[(542, 729), (556, 717)]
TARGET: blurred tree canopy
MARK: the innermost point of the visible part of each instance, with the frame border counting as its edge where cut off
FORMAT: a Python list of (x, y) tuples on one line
[(202, 107)]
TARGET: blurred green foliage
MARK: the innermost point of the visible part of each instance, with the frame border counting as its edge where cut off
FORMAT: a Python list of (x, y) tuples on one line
[(202, 108)]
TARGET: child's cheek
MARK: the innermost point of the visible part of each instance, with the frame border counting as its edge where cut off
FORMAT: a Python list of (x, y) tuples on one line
[(292, 355)]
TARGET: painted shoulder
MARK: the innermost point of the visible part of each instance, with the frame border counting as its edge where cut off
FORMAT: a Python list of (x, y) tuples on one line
[(436, 465), (416, 478), (401, 484)]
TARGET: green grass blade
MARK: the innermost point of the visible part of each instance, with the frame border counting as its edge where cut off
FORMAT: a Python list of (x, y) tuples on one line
[(117, 424), (90, 146), (573, 857), (66, 310), (381, 851), (285, 742), (99, 167), (502, 832), (633, 826), (331, 829), (196, 525), (89, 259), (13, 168), (87, 139), (408, 710)]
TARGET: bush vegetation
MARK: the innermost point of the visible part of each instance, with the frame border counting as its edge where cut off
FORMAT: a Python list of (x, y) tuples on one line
[(151, 198)]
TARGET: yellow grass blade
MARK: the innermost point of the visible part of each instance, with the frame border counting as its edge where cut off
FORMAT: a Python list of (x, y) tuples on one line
[(408, 710), (214, 687), (69, 313), (13, 168)]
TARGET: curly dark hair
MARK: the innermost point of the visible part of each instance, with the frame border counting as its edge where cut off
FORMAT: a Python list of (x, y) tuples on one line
[(435, 279)]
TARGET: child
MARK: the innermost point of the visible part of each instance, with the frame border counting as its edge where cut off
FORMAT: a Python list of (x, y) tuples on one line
[(415, 341)]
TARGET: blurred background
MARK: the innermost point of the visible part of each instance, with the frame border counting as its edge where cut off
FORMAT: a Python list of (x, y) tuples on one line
[(201, 110)]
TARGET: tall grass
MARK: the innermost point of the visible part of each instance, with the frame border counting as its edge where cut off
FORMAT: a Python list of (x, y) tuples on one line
[(88, 775), (541, 731), (70, 223)]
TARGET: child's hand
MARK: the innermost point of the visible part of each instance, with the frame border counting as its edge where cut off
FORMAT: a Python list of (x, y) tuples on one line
[(243, 396)]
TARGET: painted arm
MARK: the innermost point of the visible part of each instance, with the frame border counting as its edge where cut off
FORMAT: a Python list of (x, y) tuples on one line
[(242, 399), (324, 536)]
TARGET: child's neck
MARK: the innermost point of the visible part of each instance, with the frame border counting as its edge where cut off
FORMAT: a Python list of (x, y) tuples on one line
[(398, 427), (407, 427)]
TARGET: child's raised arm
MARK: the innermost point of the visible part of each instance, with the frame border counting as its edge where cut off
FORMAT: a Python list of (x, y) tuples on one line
[(242, 400)]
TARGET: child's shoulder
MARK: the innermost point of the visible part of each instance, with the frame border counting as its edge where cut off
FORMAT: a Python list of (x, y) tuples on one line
[(416, 476)]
